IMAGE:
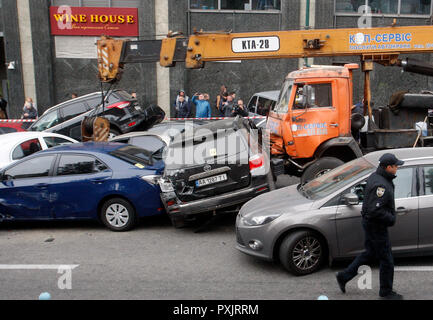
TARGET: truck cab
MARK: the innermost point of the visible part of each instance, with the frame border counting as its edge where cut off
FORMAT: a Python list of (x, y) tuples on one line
[(312, 120)]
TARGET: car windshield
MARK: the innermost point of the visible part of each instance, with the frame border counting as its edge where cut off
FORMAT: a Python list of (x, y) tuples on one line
[(336, 179), (46, 121)]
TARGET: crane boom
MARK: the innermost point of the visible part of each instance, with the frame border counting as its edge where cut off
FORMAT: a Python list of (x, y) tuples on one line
[(382, 45)]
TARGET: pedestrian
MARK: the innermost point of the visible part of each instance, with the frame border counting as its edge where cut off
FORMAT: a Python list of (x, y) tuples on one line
[(183, 108), (29, 110), (181, 93), (228, 107), (3, 105), (240, 109), (378, 213), (206, 96), (221, 98), (202, 109)]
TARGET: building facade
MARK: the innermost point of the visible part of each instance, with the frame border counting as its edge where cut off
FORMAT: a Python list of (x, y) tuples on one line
[(36, 63)]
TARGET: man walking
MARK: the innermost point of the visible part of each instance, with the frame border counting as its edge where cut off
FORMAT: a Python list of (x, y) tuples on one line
[(203, 109), (378, 213)]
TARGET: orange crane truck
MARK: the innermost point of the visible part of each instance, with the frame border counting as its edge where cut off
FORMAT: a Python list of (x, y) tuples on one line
[(312, 125)]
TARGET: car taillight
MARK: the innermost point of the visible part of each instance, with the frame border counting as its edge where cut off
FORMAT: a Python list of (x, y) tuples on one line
[(132, 124), (257, 161), (119, 105)]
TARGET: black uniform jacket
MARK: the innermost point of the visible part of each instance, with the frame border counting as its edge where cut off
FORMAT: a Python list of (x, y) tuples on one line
[(379, 205)]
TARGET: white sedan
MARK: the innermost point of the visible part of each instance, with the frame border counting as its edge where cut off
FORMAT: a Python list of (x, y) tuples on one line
[(17, 145)]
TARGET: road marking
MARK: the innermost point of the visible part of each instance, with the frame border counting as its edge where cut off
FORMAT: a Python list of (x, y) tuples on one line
[(418, 269), (37, 266)]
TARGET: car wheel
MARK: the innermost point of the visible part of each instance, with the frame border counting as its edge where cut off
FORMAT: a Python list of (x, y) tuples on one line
[(320, 167), (117, 214), (113, 133), (302, 252)]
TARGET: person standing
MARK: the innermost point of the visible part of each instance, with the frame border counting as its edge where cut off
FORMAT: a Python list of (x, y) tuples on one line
[(221, 98), (183, 108), (29, 111), (378, 213), (228, 108), (202, 109), (240, 109), (3, 105)]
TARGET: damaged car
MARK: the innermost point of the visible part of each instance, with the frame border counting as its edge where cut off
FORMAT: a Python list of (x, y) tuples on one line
[(214, 168)]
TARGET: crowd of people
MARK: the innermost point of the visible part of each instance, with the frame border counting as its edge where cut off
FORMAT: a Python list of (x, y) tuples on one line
[(29, 110), (199, 106)]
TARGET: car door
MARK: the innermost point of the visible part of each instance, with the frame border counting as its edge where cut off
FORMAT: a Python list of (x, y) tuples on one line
[(403, 235), (24, 189), (426, 208), (79, 183)]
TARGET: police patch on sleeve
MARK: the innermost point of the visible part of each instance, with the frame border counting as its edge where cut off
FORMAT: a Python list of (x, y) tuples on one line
[(380, 192)]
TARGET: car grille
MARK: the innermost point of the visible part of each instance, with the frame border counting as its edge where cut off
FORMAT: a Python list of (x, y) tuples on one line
[(239, 238)]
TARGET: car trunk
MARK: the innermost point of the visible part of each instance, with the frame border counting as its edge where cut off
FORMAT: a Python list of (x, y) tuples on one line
[(210, 164)]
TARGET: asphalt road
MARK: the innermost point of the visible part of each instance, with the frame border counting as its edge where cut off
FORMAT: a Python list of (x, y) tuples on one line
[(156, 261)]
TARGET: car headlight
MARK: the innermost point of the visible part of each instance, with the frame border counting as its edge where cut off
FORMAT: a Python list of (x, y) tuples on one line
[(260, 220), (165, 185), (152, 179)]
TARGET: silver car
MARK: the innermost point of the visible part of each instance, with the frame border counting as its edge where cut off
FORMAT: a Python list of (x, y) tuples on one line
[(306, 226)]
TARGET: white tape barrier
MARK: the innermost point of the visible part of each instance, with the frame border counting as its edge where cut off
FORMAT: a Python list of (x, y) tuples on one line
[(16, 120)]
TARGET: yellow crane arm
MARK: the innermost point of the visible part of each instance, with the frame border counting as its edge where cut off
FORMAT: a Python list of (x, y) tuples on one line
[(377, 44), (382, 45)]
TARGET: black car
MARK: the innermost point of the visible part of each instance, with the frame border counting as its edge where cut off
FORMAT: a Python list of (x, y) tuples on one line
[(121, 109), (224, 168)]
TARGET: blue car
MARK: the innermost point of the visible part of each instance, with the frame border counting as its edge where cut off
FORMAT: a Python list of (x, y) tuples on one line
[(111, 182)]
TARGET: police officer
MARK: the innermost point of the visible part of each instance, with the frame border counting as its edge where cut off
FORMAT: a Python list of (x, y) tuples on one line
[(378, 213)]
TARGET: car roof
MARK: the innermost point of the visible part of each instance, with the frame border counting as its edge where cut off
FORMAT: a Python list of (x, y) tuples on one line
[(16, 137), (163, 137), (405, 154), (87, 147), (73, 100), (271, 95)]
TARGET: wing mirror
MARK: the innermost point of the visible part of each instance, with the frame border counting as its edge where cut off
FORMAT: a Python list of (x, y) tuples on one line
[(351, 199)]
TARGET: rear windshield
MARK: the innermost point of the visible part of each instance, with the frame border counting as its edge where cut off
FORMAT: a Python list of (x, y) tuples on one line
[(133, 155)]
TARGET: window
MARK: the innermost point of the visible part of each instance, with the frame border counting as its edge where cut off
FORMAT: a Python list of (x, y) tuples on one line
[(322, 95), (428, 181), (98, 3), (252, 104), (235, 4), (282, 105), (55, 141), (4, 130), (73, 110), (46, 121), (133, 155), (403, 183), (419, 7), (77, 164), (26, 148), (33, 168)]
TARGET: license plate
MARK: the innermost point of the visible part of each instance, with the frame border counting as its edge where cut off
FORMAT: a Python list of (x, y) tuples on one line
[(210, 180)]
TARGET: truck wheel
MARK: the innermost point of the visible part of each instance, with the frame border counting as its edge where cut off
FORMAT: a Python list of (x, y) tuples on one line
[(319, 168), (302, 252)]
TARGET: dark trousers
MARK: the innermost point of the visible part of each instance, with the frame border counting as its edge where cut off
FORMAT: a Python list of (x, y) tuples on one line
[(377, 246)]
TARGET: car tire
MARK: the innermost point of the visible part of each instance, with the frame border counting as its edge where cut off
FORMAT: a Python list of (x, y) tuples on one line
[(320, 167), (118, 214), (302, 252), (113, 133)]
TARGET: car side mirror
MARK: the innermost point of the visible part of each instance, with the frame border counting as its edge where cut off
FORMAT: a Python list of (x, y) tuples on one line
[(351, 199)]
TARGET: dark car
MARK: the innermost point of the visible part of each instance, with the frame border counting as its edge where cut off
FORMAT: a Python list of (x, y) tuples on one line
[(114, 183), (121, 109), (214, 167)]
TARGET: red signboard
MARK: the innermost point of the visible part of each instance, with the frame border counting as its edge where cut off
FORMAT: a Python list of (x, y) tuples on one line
[(87, 21)]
